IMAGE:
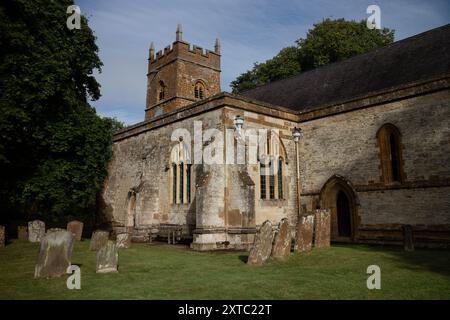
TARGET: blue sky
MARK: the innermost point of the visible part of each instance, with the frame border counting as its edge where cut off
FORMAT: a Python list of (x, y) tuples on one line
[(250, 31)]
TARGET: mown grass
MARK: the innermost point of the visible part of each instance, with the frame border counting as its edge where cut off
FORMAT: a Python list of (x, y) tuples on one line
[(164, 272)]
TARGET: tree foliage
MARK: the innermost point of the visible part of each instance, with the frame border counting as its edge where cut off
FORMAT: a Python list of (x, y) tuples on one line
[(54, 148), (327, 42)]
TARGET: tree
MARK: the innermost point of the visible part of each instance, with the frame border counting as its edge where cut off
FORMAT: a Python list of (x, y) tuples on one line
[(329, 41), (54, 148)]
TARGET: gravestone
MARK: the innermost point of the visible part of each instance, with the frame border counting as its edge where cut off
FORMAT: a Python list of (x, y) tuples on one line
[(99, 239), (123, 240), (305, 231), (107, 258), (322, 228), (282, 244), (76, 228), (2, 236), (22, 233), (36, 230), (408, 239), (262, 245), (55, 254)]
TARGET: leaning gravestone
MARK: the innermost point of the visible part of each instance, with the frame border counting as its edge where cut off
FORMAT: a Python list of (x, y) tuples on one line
[(305, 231), (107, 258), (36, 230), (55, 254), (99, 239), (22, 233), (408, 239), (123, 240), (282, 243), (262, 245), (322, 228), (76, 228), (2, 236)]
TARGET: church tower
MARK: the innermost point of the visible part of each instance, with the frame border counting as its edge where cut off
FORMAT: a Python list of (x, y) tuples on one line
[(180, 75)]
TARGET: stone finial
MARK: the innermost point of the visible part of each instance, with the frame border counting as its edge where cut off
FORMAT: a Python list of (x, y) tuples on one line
[(151, 51), (217, 46), (179, 33)]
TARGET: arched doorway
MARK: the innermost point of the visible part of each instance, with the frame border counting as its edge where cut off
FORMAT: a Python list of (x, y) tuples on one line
[(338, 195)]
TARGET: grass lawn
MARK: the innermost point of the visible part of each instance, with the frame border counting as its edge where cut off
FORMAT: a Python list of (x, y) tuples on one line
[(164, 272)]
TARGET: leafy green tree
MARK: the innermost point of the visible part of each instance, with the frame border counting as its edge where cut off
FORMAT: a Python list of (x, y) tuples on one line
[(327, 42), (54, 148)]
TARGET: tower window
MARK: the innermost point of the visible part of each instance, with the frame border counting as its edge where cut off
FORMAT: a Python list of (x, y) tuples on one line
[(389, 142), (199, 90), (162, 91)]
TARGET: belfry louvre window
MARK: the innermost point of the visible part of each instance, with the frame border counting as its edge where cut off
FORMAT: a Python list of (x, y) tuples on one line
[(389, 143), (199, 90), (161, 91), (271, 168)]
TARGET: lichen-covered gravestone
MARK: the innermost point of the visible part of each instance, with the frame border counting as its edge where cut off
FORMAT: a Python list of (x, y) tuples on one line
[(305, 231), (22, 232), (262, 245), (76, 228), (36, 230), (107, 258), (2, 236), (55, 254), (123, 240), (322, 228), (99, 239), (282, 243)]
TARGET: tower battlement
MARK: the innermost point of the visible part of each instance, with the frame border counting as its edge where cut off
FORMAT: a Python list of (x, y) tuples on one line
[(186, 51), (180, 74)]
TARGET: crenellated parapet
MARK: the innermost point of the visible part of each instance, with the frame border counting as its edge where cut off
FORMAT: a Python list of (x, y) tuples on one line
[(180, 74), (185, 51)]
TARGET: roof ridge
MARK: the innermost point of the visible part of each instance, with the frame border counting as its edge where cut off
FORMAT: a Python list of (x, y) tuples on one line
[(329, 65)]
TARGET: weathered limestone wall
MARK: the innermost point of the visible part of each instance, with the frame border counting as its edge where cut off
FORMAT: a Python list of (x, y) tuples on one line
[(346, 145), (142, 163), (275, 209)]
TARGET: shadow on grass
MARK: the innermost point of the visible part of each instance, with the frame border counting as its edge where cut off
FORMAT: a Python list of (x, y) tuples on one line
[(434, 260), (243, 258)]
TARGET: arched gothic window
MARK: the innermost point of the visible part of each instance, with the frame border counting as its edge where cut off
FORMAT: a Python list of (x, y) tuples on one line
[(199, 90), (389, 142), (181, 181), (271, 167)]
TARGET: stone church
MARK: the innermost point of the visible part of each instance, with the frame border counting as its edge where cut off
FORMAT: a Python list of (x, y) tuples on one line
[(367, 137)]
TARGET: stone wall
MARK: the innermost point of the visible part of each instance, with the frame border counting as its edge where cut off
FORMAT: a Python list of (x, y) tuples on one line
[(346, 145), (142, 164)]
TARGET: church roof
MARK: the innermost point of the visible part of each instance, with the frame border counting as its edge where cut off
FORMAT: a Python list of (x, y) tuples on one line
[(421, 57)]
